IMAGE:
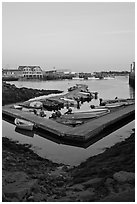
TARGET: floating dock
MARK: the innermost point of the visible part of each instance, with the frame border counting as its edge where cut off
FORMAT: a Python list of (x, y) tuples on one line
[(81, 133)]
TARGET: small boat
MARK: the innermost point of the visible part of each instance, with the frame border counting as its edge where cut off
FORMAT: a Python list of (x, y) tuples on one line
[(114, 105), (118, 104), (118, 100), (17, 107), (36, 104), (82, 87), (85, 115), (23, 124), (92, 111)]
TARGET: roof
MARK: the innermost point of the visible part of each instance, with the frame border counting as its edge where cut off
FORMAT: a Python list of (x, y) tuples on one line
[(10, 70), (32, 67)]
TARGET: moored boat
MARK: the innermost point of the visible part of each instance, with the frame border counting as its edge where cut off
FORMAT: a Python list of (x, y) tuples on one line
[(23, 124), (18, 107), (114, 105), (81, 87), (92, 111), (85, 115), (118, 100)]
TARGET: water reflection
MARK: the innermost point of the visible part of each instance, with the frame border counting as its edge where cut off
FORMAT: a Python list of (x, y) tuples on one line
[(25, 132), (65, 153)]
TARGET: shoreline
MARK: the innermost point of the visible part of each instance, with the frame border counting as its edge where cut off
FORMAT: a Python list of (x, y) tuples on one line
[(99, 177), (104, 177), (12, 94)]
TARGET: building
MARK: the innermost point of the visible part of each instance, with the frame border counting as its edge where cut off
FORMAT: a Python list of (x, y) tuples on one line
[(57, 74), (31, 72), (11, 74)]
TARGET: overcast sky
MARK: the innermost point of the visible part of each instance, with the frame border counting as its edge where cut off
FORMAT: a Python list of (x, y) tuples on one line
[(77, 36)]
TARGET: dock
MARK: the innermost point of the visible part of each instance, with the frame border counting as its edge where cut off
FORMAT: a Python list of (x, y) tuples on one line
[(81, 133)]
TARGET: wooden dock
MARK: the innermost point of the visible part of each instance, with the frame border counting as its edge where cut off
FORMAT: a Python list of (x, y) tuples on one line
[(82, 133)]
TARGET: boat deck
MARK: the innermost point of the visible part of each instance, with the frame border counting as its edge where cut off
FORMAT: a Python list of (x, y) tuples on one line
[(83, 132)]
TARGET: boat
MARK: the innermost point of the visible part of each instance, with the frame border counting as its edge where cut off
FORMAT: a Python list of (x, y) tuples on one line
[(23, 124), (118, 100), (92, 111), (36, 104), (17, 107), (85, 115), (114, 105), (117, 103), (82, 87)]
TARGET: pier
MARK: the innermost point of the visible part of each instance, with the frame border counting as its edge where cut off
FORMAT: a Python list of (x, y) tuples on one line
[(82, 133)]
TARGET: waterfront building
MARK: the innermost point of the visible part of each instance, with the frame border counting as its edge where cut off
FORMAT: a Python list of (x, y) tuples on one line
[(11, 74), (84, 75), (57, 74), (31, 72)]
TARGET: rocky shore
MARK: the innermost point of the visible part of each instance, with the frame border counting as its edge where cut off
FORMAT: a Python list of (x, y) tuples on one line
[(12, 94), (107, 177)]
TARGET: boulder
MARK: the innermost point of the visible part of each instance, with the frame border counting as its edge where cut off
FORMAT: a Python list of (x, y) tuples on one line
[(76, 187), (17, 185), (39, 197), (14, 177), (109, 184), (92, 182), (123, 176), (127, 196), (86, 195)]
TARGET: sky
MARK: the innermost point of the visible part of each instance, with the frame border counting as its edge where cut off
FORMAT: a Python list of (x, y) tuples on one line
[(81, 37)]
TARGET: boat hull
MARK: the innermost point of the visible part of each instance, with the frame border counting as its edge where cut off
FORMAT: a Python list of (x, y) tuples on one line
[(84, 116), (22, 124)]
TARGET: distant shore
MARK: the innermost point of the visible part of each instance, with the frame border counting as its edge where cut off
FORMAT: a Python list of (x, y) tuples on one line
[(107, 177)]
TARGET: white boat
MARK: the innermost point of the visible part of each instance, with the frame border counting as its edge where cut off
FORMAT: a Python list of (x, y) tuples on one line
[(36, 104), (23, 124), (85, 115), (92, 111), (115, 105), (17, 107), (118, 100)]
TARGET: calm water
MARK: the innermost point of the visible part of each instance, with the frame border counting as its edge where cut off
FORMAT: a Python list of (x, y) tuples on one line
[(67, 154)]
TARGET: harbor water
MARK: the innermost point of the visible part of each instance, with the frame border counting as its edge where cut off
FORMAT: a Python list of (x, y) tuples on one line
[(67, 153)]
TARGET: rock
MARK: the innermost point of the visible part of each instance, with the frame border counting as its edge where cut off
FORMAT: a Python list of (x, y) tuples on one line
[(14, 177), (123, 176), (19, 189), (87, 195), (84, 196), (43, 189), (39, 197), (63, 199), (76, 187), (109, 181), (95, 181), (60, 183), (127, 196), (109, 184), (17, 185), (30, 198)]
